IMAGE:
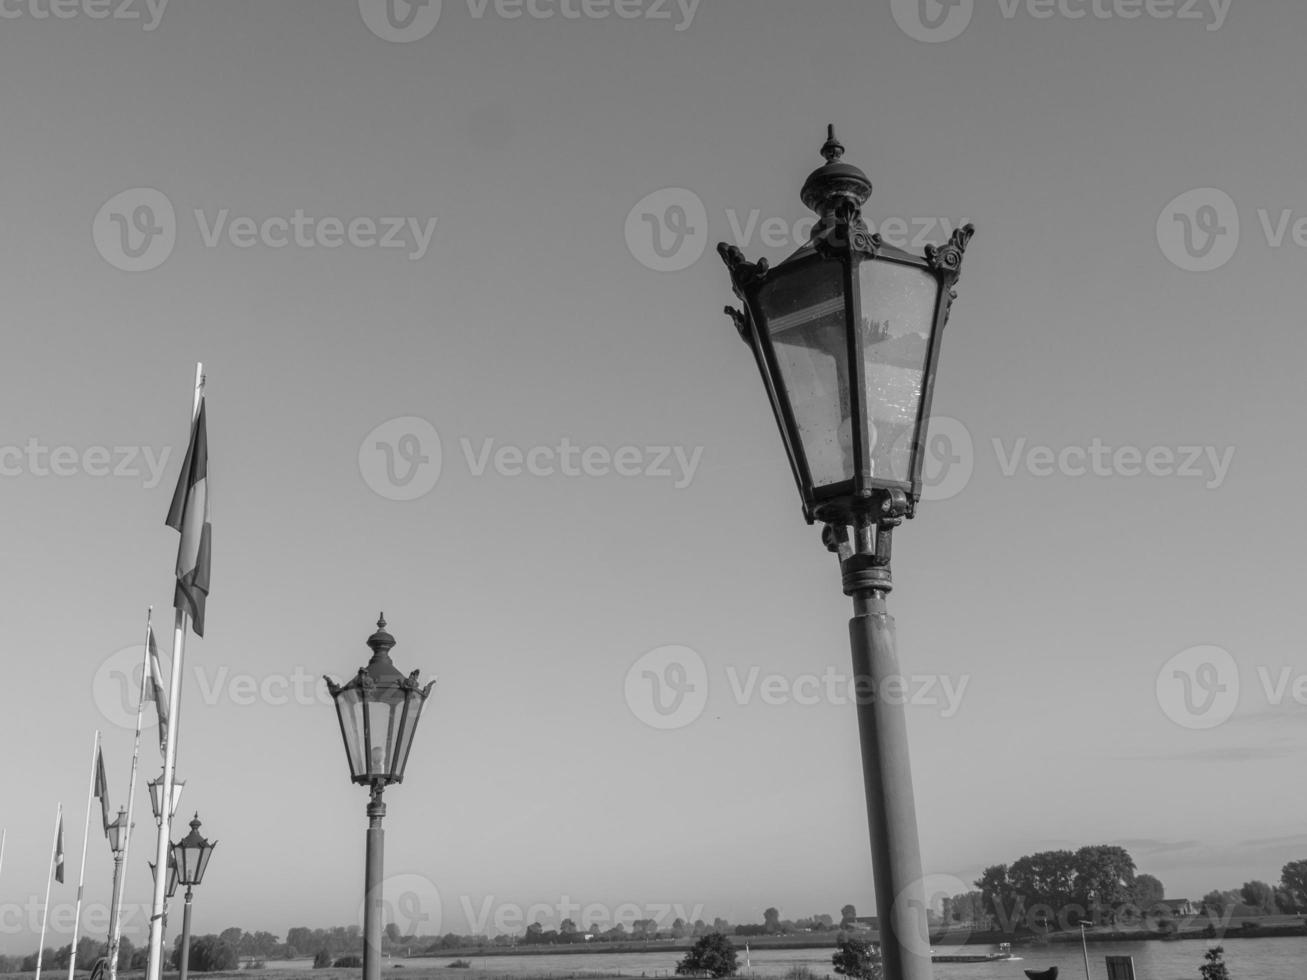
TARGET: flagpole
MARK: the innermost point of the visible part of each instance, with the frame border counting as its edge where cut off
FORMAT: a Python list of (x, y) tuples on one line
[(81, 874), (3, 834), (170, 754), (45, 910), (115, 925)]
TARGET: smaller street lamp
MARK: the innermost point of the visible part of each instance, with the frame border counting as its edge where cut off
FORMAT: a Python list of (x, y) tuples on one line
[(1084, 947), (156, 796), (117, 833), (190, 858)]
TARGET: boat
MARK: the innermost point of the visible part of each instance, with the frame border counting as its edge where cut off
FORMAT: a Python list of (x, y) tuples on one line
[(1049, 974), (1004, 953)]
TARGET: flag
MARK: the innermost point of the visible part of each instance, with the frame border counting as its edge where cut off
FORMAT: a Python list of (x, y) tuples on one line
[(156, 692), (189, 515), (102, 789), (59, 853)]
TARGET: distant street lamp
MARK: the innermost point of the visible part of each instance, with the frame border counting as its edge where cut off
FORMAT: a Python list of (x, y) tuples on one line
[(378, 710), (190, 858), (846, 335), (155, 787), (1084, 947), (117, 832)]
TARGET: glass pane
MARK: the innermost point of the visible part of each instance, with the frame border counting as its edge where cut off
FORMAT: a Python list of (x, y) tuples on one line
[(804, 314), (350, 706), (898, 317), (410, 726), (383, 717)]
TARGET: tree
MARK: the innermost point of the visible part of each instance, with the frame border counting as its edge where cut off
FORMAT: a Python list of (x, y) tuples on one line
[(997, 897), (771, 920), (232, 935), (847, 914), (1293, 877), (679, 928), (1259, 895), (321, 960), (1148, 891), (392, 932), (1104, 877), (713, 955), (1214, 968), (125, 950), (210, 953), (857, 959)]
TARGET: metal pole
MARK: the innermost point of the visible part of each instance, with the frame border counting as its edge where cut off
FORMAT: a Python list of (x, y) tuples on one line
[(184, 965), (372, 894), (1084, 949), (882, 726), (113, 912)]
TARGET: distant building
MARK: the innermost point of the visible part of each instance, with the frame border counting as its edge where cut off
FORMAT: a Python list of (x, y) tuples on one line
[(1177, 906), (864, 923)]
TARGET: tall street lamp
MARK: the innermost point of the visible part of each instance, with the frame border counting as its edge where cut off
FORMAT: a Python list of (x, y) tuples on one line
[(846, 334), (190, 855), (378, 710), (155, 787), (117, 832)]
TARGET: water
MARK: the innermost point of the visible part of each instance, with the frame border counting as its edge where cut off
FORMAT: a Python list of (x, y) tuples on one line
[(1248, 959)]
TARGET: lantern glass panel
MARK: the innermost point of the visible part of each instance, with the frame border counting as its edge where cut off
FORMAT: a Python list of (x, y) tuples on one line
[(805, 313), (897, 324), (414, 700), (349, 705), (385, 709)]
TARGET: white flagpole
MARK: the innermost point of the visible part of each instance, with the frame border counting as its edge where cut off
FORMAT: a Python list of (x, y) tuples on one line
[(3, 834), (45, 910), (170, 754), (115, 909), (81, 875)]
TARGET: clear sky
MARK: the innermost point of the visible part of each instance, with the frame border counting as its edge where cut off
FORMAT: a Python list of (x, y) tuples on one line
[(537, 314)]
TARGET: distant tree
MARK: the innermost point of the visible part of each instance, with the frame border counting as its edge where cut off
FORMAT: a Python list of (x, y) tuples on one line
[(210, 953), (1148, 891), (1293, 877), (997, 897), (720, 925), (88, 951), (823, 921), (1104, 877), (321, 960), (857, 959), (700, 927), (713, 956), (1214, 968), (771, 920), (1284, 901), (679, 928), (849, 914), (351, 962), (534, 932), (126, 948), (232, 935), (1259, 895)]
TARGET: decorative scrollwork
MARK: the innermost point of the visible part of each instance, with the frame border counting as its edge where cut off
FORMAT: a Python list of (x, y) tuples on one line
[(947, 259), (741, 322), (744, 274)]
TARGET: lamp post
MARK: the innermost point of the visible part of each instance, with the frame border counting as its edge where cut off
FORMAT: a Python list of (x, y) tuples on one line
[(190, 857), (170, 889), (378, 710), (117, 832), (1084, 947), (846, 335)]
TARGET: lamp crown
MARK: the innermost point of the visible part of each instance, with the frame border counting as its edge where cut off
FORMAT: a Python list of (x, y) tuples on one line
[(836, 184), (195, 822), (381, 642)]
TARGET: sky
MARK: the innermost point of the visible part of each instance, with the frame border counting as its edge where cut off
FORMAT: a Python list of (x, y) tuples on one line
[(451, 374)]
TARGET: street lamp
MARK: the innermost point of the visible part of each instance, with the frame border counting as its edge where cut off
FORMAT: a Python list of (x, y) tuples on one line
[(1084, 947), (156, 796), (378, 710), (846, 334), (190, 858), (170, 889), (117, 832)]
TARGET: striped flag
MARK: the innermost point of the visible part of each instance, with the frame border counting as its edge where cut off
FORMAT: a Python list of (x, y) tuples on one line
[(102, 789), (59, 852), (156, 692), (189, 515)]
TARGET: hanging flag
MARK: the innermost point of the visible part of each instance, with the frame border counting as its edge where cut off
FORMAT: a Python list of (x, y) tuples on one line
[(189, 515), (102, 790), (59, 852), (156, 692)]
